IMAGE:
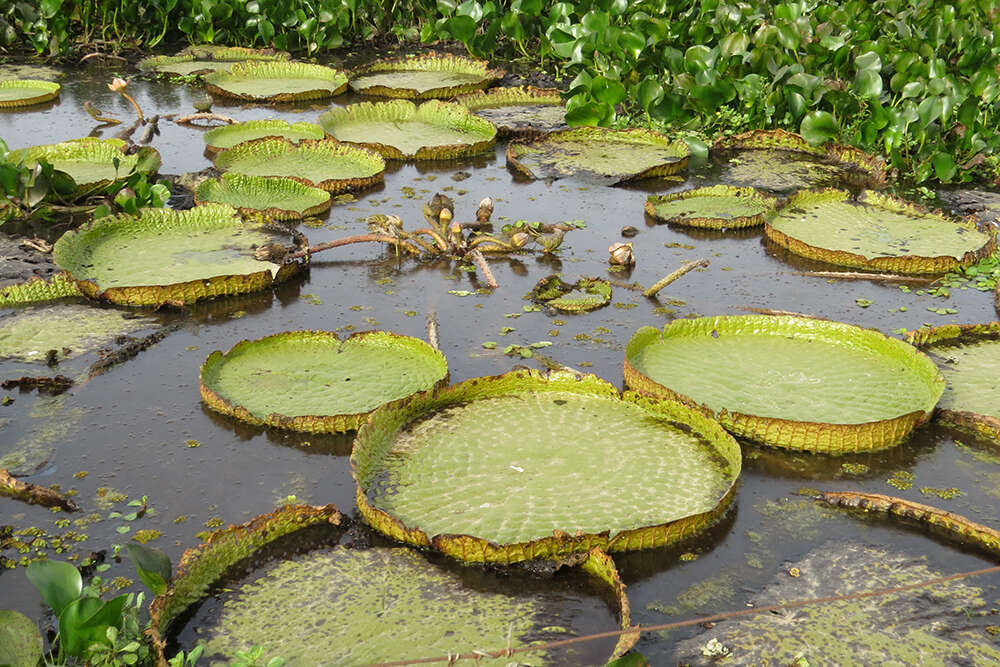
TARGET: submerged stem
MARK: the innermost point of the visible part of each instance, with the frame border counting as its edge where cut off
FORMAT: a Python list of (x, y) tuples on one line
[(669, 278)]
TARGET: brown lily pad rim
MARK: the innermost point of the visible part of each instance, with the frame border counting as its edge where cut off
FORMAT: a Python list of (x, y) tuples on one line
[(768, 202), (378, 432), (44, 91), (925, 339), (427, 62), (338, 423)]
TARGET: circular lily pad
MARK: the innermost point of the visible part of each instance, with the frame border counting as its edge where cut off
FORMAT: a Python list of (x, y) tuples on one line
[(401, 130), (91, 162), (227, 136), (584, 295), (170, 257), (969, 358), (312, 381), (276, 81), (278, 198), (424, 76), (25, 92), (71, 330), (322, 163), (876, 232), (599, 155), (714, 207), (525, 112), (791, 382), (20, 640), (524, 465), (202, 59)]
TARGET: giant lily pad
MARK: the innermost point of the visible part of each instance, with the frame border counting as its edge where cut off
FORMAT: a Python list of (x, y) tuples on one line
[(276, 81), (714, 207), (279, 198), (524, 465), (584, 295), (322, 163), (312, 381), (170, 257), (202, 59), (424, 76), (969, 358), (792, 382), (525, 112), (600, 155), (91, 162), (25, 92), (402, 130), (33, 334), (876, 232), (227, 136)]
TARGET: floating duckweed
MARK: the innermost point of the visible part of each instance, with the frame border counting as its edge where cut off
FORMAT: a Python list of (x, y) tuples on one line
[(944, 494), (901, 479)]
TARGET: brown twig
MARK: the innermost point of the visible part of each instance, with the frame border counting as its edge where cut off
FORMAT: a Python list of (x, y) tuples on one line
[(50, 385), (126, 134), (669, 278), (769, 311), (480, 261), (432, 330), (857, 275), (33, 493), (151, 129), (203, 115), (98, 54), (361, 238)]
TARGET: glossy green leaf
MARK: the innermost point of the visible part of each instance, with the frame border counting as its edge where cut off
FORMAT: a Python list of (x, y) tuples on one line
[(734, 44), (944, 166), (607, 90), (58, 582), (818, 126), (152, 566), (868, 83), (589, 113), (649, 92)]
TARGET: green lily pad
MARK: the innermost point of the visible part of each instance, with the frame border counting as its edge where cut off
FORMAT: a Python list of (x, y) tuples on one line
[(321, 163), (599, 155), (791, 382), (312, 381), (526, 465), (25, 92), (201, 59), (876, 232), (714, 207), (525, 112), (170, 257), (278, 198), (423, 77), (584, 295), (91, 162), (401, 130), (276, 81), (71, 330), (227, 136), (969, 358), (20, 640)]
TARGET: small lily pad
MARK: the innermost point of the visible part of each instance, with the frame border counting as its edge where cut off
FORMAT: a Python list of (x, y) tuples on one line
[(584, 295), (599, 155), (25, 92), (525, 112), (399, 129), (423, 77), (323, 163), (278, 198), (277, 81), (205, 58), (227, 136), (714, 207), (92, 163), (20, 640), (70, 330)]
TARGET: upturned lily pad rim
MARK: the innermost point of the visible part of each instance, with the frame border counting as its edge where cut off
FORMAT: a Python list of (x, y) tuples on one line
[(94, 150), (376, 435), (215, 82), (281, 130), (216, 187), (926, 338), (520, 96), (767, 202), (36, 92), (634, 136), (816, 437), (432, 112), (427, 62), (335, 423), (898, 263), (211, 53)]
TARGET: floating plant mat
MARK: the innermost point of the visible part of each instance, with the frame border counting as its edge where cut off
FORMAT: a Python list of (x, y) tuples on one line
[(969, 358), (424, 77), (584, 295), (279, 198), (323, 163), (91, 162), (206, 58), (526, 465), (69, 330), (714, 207), (227, 136), (599, 155), (791, 382), (400, 129), (276, 81), (876, 232), (165, 256), (25, 92), (312, 381), (525, 112)]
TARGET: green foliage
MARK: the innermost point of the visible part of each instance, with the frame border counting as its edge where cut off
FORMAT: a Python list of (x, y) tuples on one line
[(252, 657)]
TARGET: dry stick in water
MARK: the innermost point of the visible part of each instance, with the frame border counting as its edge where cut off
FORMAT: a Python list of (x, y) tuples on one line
[(857, 275), (33, 493), (432, 330), (190, 118), (689, 266), (484, 267), (771, 311), (278, 253)]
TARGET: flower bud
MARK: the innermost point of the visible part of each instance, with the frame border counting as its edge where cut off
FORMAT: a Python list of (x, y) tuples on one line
[(621, 254)]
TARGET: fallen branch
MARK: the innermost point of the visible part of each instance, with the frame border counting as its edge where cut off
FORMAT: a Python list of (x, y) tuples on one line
[(857, 275), (98, 54), (49, 385), (278, 253), (33, 493), (480, 261), (769, 311), (432, 330), (686, 268), (203, 115)]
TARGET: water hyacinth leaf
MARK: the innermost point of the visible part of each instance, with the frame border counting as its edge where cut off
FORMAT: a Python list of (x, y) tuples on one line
[(91, 163), (791, 382), (278, 198), (438, 469), (85, 621), (819, 126), (227, 136), (58, 582), (312, 381), (713, 207), (26, 92), (524, 112), (20, 640), (152, 565), (424, 77), (276, 81), (322, 163), (600, 155), (170, 257), (584, 295), (399, 129), (876, 232), (206, 58)]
